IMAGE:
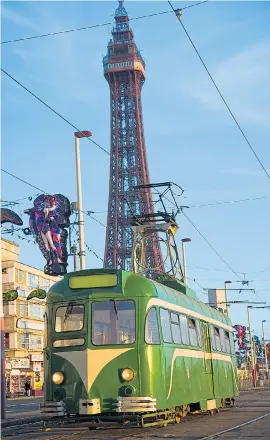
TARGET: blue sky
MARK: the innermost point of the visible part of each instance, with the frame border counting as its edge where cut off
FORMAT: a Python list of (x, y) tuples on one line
[(190, 137)]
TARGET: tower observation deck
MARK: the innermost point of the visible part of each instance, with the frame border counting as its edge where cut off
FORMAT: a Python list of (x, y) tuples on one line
[(124, 69)]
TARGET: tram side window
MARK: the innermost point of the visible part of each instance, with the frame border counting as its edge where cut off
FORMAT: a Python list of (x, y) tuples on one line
[(151, 327), (184, 329), (192, 332), (175, 328), (227, 342), (222, 340), (232, 343), (165, 325), (69, 318), (217, 339), (213, 342), (198, 328)]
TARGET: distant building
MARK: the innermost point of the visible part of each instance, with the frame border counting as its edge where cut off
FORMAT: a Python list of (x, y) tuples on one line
[(23, 321)]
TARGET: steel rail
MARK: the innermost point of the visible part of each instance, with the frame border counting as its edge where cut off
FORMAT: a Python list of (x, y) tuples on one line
[(217, 434)]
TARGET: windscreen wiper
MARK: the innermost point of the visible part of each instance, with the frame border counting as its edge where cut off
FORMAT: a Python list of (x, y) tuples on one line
[(115, 308), (68, 311)]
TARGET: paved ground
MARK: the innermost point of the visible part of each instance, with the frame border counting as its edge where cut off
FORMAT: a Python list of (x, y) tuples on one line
[(22, 406), (252, 406)]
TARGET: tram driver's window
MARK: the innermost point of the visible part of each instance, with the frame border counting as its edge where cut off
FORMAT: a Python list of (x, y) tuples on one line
[(113, 322), (165, 325), (151, 327), (69, 318)]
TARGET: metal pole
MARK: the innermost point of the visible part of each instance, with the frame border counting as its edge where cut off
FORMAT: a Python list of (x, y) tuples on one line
[(3, 372), (80, 212), (226, 300), (251, 349), (75, 258), (265, 351), (184, 263)]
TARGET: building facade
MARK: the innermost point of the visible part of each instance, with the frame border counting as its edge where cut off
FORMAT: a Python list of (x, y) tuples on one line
[(124, 69), (23, 322)]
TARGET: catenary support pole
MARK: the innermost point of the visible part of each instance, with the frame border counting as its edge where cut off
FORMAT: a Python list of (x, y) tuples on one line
[(80, 208), (251, 349)]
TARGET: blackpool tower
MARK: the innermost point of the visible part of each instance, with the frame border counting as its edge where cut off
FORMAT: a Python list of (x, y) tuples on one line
[(124, 69)]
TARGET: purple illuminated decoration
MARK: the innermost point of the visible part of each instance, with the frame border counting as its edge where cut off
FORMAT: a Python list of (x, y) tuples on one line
[(8, 216), (48, 219)]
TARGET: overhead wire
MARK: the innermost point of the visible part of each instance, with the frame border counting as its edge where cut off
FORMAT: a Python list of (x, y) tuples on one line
[(178, 16), (251, 199), (209, 244), (44, 192), (99, 146), (50, 34), (54, 111)]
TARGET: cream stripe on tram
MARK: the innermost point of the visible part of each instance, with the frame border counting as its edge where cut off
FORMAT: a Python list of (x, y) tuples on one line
[(160, 302)]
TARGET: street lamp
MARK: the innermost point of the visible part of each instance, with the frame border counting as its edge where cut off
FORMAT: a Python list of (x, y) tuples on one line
[(253, 363), (265, 351), (184, 240), (78, 135), (226, 297)]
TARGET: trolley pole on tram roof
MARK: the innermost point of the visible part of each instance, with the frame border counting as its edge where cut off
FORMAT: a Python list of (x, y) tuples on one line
[(78, 135)]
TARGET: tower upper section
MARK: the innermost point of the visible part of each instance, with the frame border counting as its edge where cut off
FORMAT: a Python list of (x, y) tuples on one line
[(122, 52)]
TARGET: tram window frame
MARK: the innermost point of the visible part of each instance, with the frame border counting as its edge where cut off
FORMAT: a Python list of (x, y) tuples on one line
[(166, 315), (45, 330), (115, 306), (175, 328), (217, 338), (147, 341), (184, 331), (232, 343), (81, 342), (192, 331), (199, 332), (65, 306), (222, 340), (227, 341), (212, 338)]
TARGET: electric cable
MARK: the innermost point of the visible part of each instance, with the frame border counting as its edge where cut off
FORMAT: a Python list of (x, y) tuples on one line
[(209, 244), (54, 111), (251, 199), (50, 34), (178, 15)]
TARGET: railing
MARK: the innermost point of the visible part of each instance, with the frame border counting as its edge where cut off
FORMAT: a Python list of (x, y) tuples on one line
[(247, 383)]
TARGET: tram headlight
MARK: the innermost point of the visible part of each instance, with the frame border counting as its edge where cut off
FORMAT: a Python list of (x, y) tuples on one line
[(58, 378), (127, 374)]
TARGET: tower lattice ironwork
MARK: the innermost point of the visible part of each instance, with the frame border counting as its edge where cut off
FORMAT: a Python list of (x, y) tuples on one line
[(124, 69)]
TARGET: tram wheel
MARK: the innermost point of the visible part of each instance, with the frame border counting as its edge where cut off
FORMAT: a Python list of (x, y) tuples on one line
[(185, 410), (177, 418), (211, 412)]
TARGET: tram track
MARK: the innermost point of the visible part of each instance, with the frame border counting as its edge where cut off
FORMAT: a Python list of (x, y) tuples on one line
[(249, 415), (225, 431)]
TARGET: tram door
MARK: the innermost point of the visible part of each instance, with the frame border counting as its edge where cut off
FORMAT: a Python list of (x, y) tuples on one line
[(208, 365)]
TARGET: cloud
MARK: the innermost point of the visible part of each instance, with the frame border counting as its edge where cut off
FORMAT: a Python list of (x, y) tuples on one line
[(243, 80), (18, 19)]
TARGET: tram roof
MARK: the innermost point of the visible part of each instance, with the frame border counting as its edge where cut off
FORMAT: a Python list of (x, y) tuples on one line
[(108, 283)]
